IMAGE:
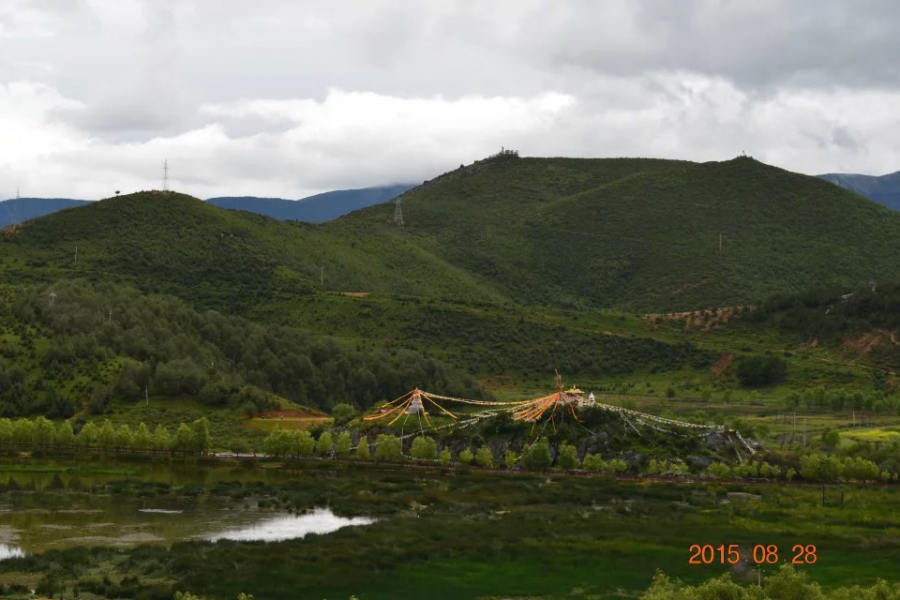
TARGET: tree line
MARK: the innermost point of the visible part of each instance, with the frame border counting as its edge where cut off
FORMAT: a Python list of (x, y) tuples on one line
[(540, 456), (42, 434)]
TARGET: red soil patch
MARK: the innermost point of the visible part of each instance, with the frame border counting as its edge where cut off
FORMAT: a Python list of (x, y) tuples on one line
[(865, 343), (723, 364)]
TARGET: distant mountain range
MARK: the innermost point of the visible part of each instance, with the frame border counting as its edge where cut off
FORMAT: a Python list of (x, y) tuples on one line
[(313, 209), (884, 189), (16, 211)]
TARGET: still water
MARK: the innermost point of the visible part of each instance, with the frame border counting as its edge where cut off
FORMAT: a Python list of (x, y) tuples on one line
[(41, 511)]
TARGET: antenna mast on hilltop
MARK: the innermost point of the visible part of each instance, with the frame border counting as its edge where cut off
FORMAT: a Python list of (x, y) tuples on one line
[(165, 187), (398, 212)]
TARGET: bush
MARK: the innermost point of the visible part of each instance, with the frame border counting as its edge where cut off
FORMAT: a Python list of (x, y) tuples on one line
[(362, 448), (537, 457), (387, 447), (568, 457), (466, 457), (484, 457), (342, 413), (759, 371), (423, 448)]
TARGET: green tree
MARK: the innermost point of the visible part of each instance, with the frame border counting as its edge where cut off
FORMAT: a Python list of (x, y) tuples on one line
[(124, 437), (143, 439), (106, 437), (593, 462), (184, 439), (758, 371), (162, 440), (423, 448), (466, 456), (362, 447), (6, 433), (831, 438), (387, 447), (65, 436), (277, 443), (718, 470), (344, 444), (537, 456), (200, 434), (568, 457), (342, 413), (89, 435), (23, 433), (446, 456), (44, 432), (324, 444), (302, 443), (484, 457), (509, 459)]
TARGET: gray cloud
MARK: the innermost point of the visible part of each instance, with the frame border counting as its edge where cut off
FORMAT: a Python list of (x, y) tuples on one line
[(288, 98)]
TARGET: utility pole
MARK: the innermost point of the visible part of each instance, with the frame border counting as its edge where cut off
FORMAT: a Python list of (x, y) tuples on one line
[(322, 276), (52, 298), (76, 258), (398, 212), (147, 395), (110, 316), (165, 185)]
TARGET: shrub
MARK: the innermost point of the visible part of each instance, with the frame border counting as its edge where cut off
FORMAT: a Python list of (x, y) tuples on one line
[(484, 457)]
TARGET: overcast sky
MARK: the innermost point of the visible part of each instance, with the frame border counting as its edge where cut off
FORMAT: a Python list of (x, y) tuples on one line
[(292, 97)]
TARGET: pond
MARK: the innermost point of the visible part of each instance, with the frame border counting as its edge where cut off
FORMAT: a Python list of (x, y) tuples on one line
[(42, 511)]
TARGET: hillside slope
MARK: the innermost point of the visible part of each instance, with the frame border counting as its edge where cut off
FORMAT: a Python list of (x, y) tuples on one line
[(313, 209), (216, 258), (645, 234), (884, 189), (578, 233)]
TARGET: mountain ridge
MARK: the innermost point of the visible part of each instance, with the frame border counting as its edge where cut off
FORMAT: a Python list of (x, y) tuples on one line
[(884, 189), (641, 234)]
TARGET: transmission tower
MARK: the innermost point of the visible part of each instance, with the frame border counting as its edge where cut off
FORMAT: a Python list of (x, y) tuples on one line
[(398, 212), (165, 186)]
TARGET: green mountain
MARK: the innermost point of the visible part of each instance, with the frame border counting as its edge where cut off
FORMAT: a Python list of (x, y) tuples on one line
[(647, 235)]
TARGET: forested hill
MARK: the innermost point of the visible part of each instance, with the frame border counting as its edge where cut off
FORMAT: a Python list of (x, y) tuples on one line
[(75, 350), (313, 209), (644, 234)]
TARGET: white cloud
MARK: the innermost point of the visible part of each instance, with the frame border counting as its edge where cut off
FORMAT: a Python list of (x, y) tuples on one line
[(288, 98)]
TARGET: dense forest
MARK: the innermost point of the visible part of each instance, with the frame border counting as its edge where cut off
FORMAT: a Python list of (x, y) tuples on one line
[(75, 343)]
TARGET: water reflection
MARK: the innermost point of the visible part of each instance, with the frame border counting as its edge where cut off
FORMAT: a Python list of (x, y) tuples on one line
[(7, 551), (288, 527)]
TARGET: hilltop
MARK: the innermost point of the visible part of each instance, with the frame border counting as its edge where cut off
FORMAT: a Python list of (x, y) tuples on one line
[(884, 189), (645, 234)]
